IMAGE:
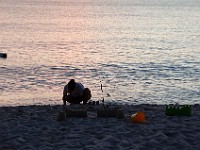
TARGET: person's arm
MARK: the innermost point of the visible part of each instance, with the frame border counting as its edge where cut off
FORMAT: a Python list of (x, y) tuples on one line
[(65, 91)]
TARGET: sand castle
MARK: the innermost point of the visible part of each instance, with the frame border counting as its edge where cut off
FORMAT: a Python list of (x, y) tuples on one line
[(183, 110), (94, 108)]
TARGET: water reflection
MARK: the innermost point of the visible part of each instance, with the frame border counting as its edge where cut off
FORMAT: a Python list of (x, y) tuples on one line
[(143, 52)]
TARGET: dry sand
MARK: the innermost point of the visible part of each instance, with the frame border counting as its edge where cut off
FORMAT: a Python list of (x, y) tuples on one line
[(36, 127)]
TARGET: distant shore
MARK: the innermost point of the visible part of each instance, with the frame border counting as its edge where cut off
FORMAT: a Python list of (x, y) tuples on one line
[(36, 127)]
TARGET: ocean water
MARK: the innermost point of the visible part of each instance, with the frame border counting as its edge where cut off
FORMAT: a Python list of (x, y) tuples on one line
[(141, 51)]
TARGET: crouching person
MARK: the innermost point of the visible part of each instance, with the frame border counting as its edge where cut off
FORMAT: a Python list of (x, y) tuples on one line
[(75, 93)]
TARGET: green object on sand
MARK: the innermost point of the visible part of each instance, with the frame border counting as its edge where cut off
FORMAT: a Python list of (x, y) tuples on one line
[(183, 110)]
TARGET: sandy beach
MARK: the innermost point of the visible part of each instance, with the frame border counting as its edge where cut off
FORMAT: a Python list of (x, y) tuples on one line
[(37, 127)]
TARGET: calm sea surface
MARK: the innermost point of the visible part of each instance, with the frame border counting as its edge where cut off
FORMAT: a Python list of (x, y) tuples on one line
[(141, 51)]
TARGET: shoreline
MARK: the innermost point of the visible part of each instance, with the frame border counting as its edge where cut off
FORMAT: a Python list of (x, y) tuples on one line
[(36, 127)]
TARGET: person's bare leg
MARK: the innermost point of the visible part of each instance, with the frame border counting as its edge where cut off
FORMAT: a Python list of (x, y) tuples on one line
[(72, 100), (86, 95)]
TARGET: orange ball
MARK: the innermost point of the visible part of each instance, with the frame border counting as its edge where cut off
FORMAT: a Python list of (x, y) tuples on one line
[(138, 117)]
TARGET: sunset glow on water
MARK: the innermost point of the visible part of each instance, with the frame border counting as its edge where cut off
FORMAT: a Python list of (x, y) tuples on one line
[(141, 51)]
